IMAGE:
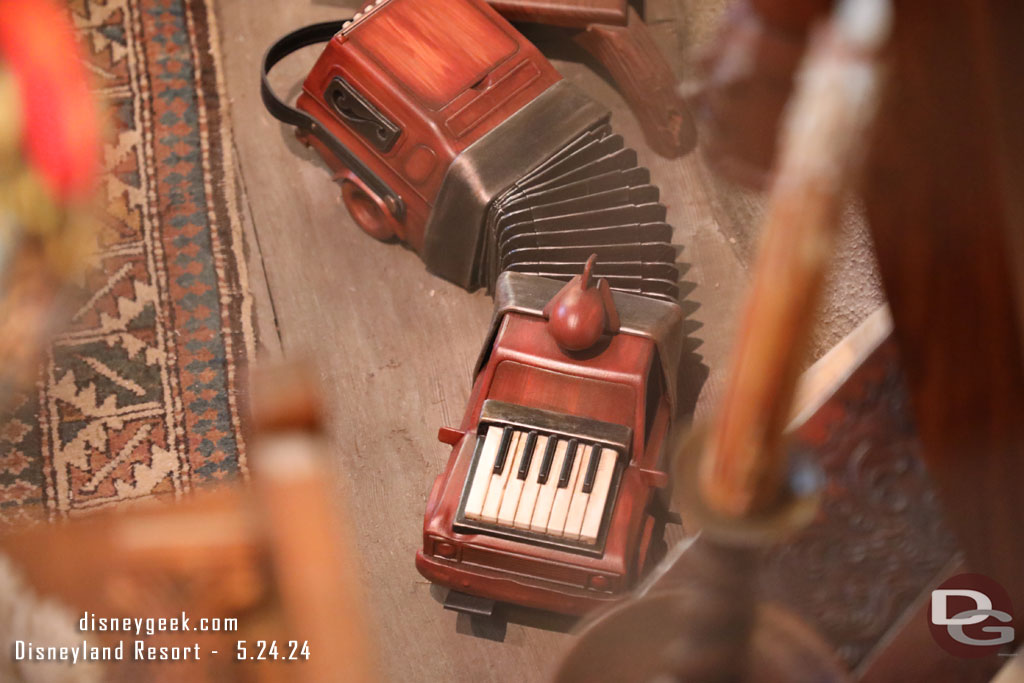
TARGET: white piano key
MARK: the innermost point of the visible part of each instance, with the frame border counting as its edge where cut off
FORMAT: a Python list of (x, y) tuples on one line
[(560, 508), (578, 503), (496, 487), (598, 496), (482, 475), (546, 496), (513, 485), (531, 489)]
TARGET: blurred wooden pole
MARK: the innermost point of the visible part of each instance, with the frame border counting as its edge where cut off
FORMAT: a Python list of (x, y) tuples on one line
[(703, 621), (315, 568), (825, 135)]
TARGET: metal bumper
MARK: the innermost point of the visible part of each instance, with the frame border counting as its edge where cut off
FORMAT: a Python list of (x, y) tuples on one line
[(506, 587)]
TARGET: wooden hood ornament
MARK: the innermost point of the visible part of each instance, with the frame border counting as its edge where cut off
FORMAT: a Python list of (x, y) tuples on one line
[(582, 312)]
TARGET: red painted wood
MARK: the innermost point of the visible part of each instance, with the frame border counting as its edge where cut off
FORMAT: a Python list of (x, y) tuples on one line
[(944, 204), (522, 384), (582, 312), (616, 35), (646, 81), (445, 71), (527, 367), (424, 56), (567, 13)]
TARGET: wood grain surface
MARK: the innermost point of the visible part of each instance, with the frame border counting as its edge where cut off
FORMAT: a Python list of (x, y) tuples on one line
[(945, 207), (394, 347), (571, 14), (645, 79)]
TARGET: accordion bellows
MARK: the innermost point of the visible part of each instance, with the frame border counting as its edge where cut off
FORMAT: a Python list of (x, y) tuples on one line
[(590, 197)]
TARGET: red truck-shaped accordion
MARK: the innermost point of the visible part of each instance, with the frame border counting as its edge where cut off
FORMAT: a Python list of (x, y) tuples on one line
[(548, 499)]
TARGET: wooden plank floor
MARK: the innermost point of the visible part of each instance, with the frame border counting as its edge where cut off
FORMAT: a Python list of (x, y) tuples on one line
[(394, 346)]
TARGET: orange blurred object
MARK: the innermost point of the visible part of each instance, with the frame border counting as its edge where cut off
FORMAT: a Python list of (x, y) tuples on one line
[(59, 113)]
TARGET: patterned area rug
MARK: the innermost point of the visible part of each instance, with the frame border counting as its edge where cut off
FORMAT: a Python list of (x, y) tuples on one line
[(138, 397)]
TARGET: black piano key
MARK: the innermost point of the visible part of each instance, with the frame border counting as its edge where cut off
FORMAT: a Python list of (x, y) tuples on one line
[(499, 461), (545, 464), (570, 456), (591, 475), (524, 464)]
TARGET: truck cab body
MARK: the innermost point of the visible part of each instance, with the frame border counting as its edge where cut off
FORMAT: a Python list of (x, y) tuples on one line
[(534, 403), (405, 88)]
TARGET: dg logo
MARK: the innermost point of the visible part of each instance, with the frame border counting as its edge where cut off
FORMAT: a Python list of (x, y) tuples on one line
[(971, 615)]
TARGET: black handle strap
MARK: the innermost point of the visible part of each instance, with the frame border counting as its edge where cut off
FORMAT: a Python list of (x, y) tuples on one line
[(286, 45)]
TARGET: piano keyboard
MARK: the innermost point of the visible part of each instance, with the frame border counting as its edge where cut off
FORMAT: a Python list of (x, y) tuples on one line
[(546, 484)]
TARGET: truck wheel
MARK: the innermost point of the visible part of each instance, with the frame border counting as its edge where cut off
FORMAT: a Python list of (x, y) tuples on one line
[(366, 212)]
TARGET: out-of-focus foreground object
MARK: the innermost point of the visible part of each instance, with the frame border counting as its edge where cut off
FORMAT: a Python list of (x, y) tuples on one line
[(945, 203), (49, 152), (737, 482), (272, 556), (942, 188), (748, 74), (823, 148)]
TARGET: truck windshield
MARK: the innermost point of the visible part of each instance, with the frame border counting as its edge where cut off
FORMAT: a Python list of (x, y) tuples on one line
[(584, 396)]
